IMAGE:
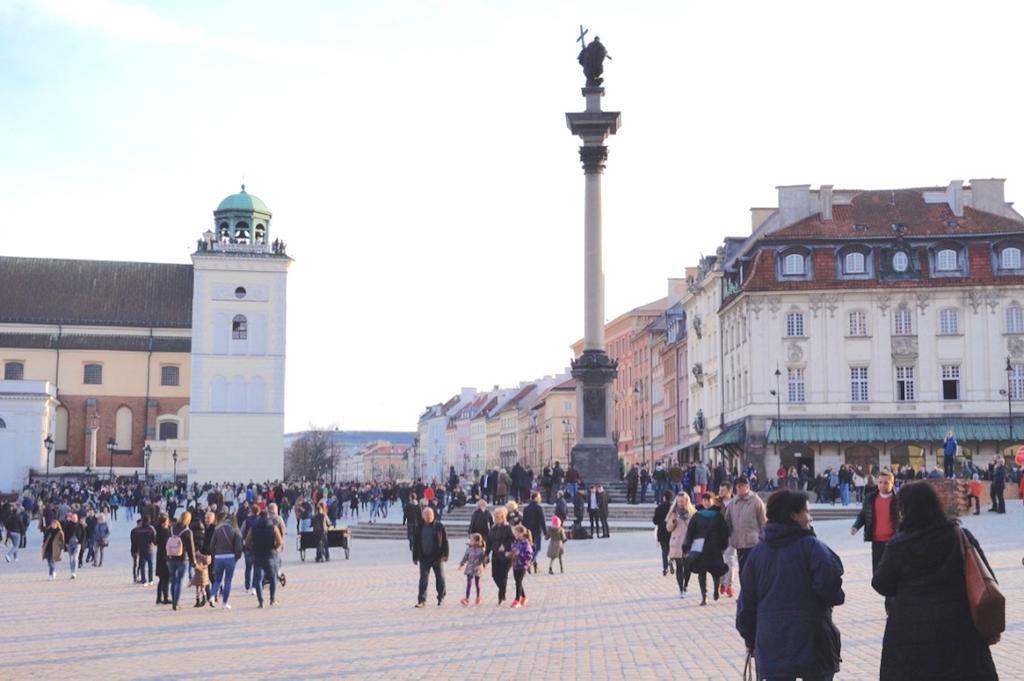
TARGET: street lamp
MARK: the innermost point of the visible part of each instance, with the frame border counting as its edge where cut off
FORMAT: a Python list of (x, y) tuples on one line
[(49, 452), (147, 452), (1009, 396), (638, 390), (111, 444), (777, 394), (174, 457), (567, 427)]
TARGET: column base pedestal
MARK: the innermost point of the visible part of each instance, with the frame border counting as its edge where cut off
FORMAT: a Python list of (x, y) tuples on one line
[(596, 462)]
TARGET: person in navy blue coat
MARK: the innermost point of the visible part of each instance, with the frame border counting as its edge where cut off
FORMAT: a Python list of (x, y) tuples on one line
[(789, 585)]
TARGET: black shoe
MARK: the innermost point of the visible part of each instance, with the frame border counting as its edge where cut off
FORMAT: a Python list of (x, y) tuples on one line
[(174, 607), (439, 602), (715, 595), (664, 572), (260, 605), (704, 601)]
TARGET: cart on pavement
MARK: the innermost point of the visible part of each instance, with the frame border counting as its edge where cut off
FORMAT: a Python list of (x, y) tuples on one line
[(337, 537)]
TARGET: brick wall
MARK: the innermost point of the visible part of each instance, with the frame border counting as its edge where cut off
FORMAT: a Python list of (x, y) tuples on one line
[(82, 407)]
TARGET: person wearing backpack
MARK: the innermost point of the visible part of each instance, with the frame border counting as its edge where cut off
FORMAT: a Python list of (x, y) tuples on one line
[(264, 540), (180, 548), (227, 549)]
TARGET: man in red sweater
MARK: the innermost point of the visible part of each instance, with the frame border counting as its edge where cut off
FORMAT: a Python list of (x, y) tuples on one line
[(880, 517)]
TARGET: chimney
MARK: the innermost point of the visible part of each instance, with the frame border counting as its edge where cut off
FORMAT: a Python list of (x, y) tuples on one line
[(955, 197), (794, 203), (987, 195), (825, 201), (758, 217)]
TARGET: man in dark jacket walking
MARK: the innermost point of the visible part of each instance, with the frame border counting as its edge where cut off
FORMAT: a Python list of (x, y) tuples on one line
[(534, 521), (880, 517), (429, 552), (998, 487), (481, 520)]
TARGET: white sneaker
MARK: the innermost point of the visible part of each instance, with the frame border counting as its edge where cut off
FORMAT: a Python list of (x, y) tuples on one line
[(682, 594), (51, 577), (226, 606)]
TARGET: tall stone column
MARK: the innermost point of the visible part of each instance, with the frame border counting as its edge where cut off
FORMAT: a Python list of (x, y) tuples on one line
[(596, 454)]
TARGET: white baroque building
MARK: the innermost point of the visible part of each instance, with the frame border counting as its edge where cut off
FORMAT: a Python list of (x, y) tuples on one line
[(859, 327)]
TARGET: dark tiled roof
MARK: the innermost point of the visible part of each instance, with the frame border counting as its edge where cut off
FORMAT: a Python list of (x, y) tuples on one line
[(877, 211), (93, 342), (95, 292)]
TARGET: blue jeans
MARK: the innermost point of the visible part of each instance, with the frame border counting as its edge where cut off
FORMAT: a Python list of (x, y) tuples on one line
[(223, 573), (177, 569), (571, 489), (146, 561), (51, 565), (264, 567), (73, 555), (844, 493)]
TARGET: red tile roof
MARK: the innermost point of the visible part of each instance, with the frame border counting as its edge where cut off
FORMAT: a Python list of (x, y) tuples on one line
[(877, 211)]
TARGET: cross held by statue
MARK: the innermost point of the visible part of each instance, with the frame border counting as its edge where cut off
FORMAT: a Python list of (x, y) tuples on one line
[(582, 39)]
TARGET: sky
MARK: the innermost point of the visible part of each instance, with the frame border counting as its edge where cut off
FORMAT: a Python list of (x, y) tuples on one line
[(415, 155)]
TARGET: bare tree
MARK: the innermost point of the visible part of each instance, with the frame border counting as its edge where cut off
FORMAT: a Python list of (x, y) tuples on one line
[(311, 456)]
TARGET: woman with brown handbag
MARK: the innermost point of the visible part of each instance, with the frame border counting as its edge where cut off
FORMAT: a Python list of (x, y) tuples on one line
[(930, 634)]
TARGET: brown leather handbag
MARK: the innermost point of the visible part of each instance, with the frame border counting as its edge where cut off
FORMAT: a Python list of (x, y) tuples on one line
[(987, 603)]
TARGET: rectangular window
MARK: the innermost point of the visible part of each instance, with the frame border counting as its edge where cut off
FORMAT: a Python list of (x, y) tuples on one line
[(796, 385), (905, 384), (795, 324), (949, 322), (1017, 382), (950, 382), (858, 384), (858, 323), (169, 375), (1014, 319), (903, 322), (14, 371), (93, 374), (168, 430)]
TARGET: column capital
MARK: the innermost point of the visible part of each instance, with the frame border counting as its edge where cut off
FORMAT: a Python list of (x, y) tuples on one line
[(593, 159)]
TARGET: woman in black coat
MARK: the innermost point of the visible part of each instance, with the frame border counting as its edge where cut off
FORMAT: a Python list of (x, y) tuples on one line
[(499, 545), (706, 538), (929, 635), (660, 514)]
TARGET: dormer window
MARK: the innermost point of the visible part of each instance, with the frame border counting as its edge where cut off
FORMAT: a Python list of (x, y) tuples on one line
[(1009, 258), (793, 264), (946, 260), (854, 263), (900, 261)]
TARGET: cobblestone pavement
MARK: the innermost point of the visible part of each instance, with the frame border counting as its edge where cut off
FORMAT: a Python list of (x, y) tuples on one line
[(611, 615)]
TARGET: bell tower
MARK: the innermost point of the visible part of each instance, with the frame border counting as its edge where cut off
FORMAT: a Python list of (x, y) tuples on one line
[(238, 346)]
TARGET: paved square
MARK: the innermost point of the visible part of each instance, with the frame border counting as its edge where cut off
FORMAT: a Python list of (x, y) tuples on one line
[(611, 615)]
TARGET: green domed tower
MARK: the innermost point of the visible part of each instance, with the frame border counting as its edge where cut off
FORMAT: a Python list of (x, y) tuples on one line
[(242, 219)]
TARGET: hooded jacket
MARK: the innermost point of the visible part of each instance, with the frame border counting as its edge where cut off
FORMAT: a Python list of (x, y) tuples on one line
[(789, 585)]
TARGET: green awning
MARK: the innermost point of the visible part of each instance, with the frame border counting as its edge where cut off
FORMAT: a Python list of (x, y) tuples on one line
[(908, 430), (736, 434)]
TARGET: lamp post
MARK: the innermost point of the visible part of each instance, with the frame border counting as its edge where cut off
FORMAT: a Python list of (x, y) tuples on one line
[(147, 452), (777, 393), (567, 427), (111, 444), (174, 457), (1008, 392), (49, 452), (638, 391)]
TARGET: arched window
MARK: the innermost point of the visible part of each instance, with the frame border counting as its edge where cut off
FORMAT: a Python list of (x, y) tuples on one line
[(853, 263), (124, 429), (224, 231), (1014, 319), (900, 261), (946, 260), (1009, 258), (793, 264), (168, 430), (239, 327), (60, 435), (261, 233), (242, 232)]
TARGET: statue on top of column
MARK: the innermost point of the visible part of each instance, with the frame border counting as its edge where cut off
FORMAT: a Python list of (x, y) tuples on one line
[(592, 58)]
